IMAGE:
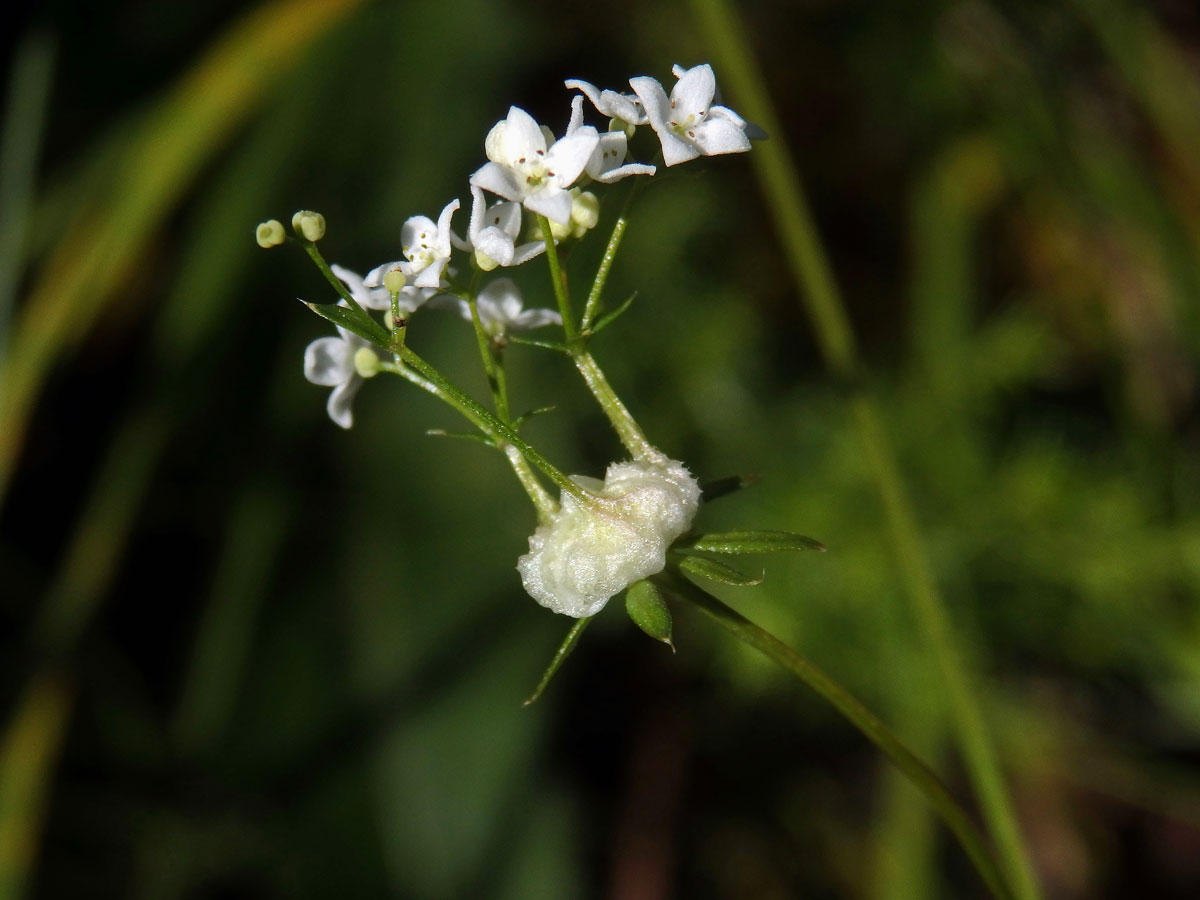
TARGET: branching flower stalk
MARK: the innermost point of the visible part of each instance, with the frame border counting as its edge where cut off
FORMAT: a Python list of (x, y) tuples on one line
[(632, 531)]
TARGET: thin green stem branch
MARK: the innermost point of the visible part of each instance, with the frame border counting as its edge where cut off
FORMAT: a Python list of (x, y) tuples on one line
[(626, 427), (500, 432), (592, 307), (561, 295), (921, 776), (315, 255), (813, 276)]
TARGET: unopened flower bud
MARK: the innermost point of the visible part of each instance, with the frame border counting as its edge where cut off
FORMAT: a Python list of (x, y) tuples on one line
[(270, 233), (309, 225), (394, 280), (485, 262), (585, 213), (559, 231), (366, 362), (649, 611)]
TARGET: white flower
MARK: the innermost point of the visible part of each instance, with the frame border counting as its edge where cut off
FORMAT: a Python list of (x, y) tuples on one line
[(688, 125), (524, 169), (590, 551), (605, 163), (367, 296), (330, 362), (492, 234), (500, 310), (426, 248), (624, 107)]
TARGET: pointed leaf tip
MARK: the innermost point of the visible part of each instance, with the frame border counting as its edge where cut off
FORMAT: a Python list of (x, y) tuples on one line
[(718, 571), (649, 611), (738, 542)]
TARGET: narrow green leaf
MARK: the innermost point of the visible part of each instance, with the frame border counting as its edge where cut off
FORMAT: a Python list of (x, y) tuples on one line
[(717, 571), (526, 416), (533, 342), (719, 487), (609, 317), (754, 542), (353, 321), (462, 436), (649, 611), (564, 650)]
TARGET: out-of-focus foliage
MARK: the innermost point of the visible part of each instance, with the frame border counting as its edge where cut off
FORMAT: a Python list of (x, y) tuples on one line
[(245, 653)]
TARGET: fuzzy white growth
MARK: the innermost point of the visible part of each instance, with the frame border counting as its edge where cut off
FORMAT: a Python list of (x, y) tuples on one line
[(590, 551)]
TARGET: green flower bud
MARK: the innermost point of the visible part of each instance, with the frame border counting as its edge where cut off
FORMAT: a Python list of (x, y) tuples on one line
[(585, 213), (486, 263), (270, 233), (649, 611), (559, 231), (394, 280), (366, 362), (309, 225)]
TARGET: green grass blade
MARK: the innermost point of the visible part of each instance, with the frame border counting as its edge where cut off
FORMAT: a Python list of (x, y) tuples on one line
[(813, 275), (20, 143), (102, 250), (28, 752)]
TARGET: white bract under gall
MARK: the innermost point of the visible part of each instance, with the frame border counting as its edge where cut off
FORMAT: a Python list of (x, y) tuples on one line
[(589, 551)]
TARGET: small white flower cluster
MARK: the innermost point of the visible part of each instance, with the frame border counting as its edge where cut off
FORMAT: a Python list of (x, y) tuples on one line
[(529, 169), (589, 551)]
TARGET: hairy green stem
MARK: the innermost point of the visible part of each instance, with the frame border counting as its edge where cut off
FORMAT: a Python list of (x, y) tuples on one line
[(813, 275), (626, 427), (921, 776)]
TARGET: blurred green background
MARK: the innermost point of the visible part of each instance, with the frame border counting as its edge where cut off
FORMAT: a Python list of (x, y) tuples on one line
[(246, 654)]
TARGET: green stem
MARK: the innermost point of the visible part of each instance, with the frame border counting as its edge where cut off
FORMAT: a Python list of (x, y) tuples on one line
[(545, 505), (315, 255), (492, 367), (561, 296), (812, 273), (486, 422), (626, 427), (592, 307), (921, 776)]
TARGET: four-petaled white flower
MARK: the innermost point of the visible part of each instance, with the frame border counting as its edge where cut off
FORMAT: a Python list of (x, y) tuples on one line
[(500, 310), (623, 107), (605, 163), (492, 234), (426, 248), (528, 166), (330, 362), (588, 551), (687, 124)]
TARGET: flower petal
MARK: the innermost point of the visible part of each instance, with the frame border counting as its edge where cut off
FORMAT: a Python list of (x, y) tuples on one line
[(535, 318), (327, 361), (719, 135), (338, 406), (495, 244), (443, 227), (693, 93), (498, 179), (570, 154), (555, 206), (522, 136)]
